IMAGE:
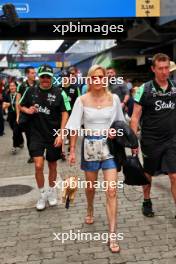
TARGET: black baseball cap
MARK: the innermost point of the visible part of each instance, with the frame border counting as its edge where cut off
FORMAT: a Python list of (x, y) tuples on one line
[(45, 70)]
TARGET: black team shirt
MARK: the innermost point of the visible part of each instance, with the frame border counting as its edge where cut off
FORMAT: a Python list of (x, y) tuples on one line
[(50, 104), (158, 120), (72, 92), (25, 85)]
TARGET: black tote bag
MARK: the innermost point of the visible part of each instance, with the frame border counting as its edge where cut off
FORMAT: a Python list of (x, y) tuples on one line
[(134, 172)]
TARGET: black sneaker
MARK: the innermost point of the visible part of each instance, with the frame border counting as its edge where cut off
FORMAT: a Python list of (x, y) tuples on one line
[(147, 209), (30, 160)]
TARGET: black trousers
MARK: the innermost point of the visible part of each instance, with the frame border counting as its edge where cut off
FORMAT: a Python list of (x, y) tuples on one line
[(17, 133), (1, 121)]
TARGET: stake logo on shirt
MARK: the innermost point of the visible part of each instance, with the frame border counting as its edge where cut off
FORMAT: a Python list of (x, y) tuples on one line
[(158, 111), (44, 110), (51, 98), (170, 93), (163, 105)]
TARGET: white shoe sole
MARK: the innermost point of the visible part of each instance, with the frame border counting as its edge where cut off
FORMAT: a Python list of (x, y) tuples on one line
[(40, 209), (52, 203)]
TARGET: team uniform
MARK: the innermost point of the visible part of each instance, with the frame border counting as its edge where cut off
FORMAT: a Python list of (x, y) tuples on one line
[(158, 126), (17, 134), (22, 88), (50, 103), (72, 92), (120, 89)]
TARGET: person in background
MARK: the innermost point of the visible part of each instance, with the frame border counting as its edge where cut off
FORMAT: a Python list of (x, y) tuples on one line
[(129, 83), (84, 89), (120, 89), (21, 92), (172, 70), (75, 74), (9, 102), (71, 91), (1, 110)]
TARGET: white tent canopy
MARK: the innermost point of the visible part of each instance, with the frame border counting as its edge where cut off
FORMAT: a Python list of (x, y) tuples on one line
[(4, 62), (13, 72)]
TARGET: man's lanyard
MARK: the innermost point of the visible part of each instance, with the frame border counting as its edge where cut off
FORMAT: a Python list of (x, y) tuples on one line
[(12, 100)]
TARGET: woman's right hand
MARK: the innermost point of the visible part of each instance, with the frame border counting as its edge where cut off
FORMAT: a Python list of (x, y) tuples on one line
[(72, 158)]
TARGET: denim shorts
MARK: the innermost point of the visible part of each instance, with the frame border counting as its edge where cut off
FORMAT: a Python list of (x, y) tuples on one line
[(96, 165)]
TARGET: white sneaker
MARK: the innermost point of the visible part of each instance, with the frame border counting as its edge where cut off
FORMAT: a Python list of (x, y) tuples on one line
[(52, 196), (41, 204)]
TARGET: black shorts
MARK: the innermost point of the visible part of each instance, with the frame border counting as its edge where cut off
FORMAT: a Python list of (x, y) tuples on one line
[(159, 158), (37, 149)]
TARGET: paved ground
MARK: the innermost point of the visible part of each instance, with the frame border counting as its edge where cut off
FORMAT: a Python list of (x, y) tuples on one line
[(26, 236)]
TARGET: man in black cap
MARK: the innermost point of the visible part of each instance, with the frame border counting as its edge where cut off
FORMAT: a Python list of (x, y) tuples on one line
[(48, 111)]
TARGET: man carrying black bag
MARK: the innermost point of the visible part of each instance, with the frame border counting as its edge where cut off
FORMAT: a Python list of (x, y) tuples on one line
[(155, 106)]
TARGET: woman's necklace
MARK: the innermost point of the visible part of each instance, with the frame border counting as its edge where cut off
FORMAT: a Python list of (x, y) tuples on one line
[(99, 103), (99, 106)]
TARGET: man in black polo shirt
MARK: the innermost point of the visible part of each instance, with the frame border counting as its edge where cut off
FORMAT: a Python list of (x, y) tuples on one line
[(21, 91), (155, 105), (48, 111)]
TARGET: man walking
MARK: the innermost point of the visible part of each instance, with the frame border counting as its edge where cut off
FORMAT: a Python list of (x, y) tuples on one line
[(48, 111), (155, 106), (21, 92)]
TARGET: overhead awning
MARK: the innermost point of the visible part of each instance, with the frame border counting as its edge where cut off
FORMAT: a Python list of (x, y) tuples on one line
[(4, 62)]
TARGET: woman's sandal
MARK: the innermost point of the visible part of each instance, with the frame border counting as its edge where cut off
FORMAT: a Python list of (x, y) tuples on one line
[(113, 246), (89, 219)]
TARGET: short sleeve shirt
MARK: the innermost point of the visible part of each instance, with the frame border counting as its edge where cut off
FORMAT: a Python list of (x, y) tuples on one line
[(50, 104), (72, 92), (158, 120), (25, 85), (10, 98)]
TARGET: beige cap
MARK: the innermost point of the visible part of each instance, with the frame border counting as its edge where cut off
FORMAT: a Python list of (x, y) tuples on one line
[(172, 66)]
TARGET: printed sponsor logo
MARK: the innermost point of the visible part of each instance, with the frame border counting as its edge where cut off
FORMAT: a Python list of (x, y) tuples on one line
[(163, 105)]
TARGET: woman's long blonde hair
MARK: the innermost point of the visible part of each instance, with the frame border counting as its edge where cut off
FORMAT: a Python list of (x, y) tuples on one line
[(92, 69)]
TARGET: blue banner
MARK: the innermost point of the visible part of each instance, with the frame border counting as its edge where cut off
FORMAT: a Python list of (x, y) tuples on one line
[(22, 65), (73, 8)]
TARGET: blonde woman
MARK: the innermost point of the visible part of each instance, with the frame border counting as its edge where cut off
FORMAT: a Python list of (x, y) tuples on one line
[(96, 110)]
